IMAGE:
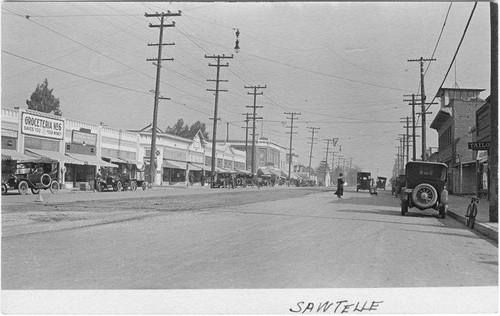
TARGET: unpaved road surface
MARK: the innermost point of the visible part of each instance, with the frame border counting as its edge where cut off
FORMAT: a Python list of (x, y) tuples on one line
[(235, 239)]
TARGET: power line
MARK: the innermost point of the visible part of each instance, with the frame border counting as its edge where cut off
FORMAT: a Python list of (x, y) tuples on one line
[(439, 38), (325, 74), (456, 52), (74, 74)]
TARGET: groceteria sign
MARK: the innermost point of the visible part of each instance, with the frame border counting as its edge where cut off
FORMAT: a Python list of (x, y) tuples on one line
[(42, 126)]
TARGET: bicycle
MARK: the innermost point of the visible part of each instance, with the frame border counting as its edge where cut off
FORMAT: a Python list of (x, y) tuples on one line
[(470, 215)]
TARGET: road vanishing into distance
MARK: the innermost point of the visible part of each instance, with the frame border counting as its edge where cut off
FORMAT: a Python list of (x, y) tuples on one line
[(197, 238)]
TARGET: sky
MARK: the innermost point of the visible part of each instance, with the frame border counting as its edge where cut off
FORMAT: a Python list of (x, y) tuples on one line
[(342, 65)]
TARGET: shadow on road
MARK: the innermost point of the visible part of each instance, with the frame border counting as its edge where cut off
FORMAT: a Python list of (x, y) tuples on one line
[(390, 212), (323, 217), (440, 233)]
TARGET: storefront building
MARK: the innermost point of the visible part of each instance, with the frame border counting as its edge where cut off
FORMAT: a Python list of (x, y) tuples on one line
[(171, 156), (81, 144), (82, 150), (482, 137), (453, 123)]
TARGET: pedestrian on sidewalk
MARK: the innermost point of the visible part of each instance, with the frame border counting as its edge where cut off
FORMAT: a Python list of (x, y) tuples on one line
[(340, 186)]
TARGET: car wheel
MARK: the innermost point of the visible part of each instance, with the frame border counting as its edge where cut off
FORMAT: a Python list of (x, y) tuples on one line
[(45, 180), (133, 185), (35, 190), (102, 187), (54, 187), (424, 195), (119, 186), (4, 189), (23, 187), (404, 208)]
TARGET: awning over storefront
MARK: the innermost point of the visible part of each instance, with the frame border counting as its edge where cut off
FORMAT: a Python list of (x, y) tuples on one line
[(133, 162), (91, 160), (224, 170), (172, 164), (198, 167), (54, 155), (114, 159), (15, 155), (243, 171)]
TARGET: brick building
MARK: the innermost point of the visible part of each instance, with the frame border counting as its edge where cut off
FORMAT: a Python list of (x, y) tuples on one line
[(453, 123)]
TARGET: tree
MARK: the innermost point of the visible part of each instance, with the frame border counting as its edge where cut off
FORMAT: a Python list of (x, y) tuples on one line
[(183, 130), (43, 100)]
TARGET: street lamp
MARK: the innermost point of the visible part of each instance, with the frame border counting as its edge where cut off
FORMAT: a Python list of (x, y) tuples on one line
[(237, 45)]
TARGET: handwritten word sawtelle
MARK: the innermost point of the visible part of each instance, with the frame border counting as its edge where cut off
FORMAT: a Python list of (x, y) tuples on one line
[(338, 307)]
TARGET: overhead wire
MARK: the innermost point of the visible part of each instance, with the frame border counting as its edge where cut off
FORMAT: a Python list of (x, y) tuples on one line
[(456, 52)]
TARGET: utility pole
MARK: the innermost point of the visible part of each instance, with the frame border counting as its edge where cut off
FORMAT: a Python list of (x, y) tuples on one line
[(493, 211), (254, 117), (313, 130), (399, 158), (402, 141), (291, 118), (216, 118), (158, 60), (326, 158), (422, 98), (407, 126), (413, 102), (246, 139)]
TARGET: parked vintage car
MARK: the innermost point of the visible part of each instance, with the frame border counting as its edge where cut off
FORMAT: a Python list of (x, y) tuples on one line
[(112, 179), (425, 187), (381, 181), (37, 174), (364, 181)]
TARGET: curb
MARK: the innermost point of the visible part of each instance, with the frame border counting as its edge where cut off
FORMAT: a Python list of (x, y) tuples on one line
[(482, 228)]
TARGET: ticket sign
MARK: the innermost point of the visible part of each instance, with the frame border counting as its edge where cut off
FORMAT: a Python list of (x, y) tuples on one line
[(42, 126), (89, 139), (479, 145)]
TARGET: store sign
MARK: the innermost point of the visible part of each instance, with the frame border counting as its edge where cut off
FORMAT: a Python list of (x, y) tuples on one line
[(9, 133), (482, 155), (82, 138), (479, 145), (42, 126)]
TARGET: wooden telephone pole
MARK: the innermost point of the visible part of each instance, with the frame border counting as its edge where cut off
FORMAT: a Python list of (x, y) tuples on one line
[(254, 117), (246, 138), (291, 118), (313, 130), (158, 60), (422, 98), (215, 118), (413, 102)]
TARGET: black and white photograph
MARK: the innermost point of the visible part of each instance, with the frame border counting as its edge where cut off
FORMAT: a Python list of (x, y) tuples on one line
[(229, 157)]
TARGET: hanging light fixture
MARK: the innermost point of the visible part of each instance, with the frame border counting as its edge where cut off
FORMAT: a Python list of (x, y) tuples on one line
[(237, 45)]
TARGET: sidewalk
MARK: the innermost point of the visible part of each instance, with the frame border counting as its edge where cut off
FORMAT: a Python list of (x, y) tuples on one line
[(457, 206)]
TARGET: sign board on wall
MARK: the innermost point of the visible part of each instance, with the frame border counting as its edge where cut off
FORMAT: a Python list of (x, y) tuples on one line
[(479, 145), (81, 138), (41, 126), (9, 133)]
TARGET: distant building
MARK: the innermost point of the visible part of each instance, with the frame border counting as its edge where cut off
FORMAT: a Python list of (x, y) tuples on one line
[(453, 123)]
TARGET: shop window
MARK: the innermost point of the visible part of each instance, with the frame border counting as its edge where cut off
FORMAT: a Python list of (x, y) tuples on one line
[(9, 142)]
